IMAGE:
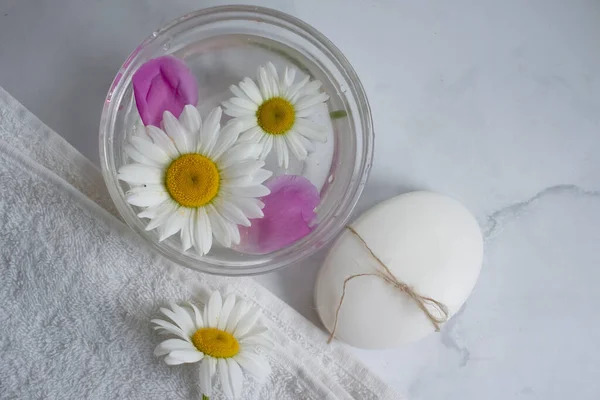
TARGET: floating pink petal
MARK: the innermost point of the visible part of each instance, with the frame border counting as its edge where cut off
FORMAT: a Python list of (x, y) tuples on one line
[(289, 215), (163, 84)]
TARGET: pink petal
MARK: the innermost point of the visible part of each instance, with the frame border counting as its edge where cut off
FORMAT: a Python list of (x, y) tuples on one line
[(289, 214), (163, 84)]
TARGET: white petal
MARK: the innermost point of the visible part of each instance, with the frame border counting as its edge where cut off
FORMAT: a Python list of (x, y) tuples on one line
[(190, 118), (264, 83), (219, 227), (272, 71), (210, 131), (223, 371), (306, 143), (199, 322), (258, 331), (237, 153), (252, 91), (226, 139), (246, 123), (254, 364), (288, 79), (172, 360), (181, 317), (310, 111), (171, 328), (252, 341), (163, 141), (311, 100), (146, 188), (294, 90), (173, 224), (165, 214), (274, 80), (140, 174), (187, 356), (169, 345), (281, 149), (213, 121), (310, 130), (295, 145), (249, 206), (206, 376), (139, 130), (247, 322), (160, 229), (228, 305), (193, 227), (212, 310), (139, 157), (150, 150), (165, 207), (232, 377), (213, 365), (203, 232), (236, 315), (231, 212), (177, 132), (252, 135), (261, 175), (244, 104), (243, 168), (307, 123), (267, 144), (234, 231), (249, 191), (240, 181), (239, 93), (147, 198), (311, 88), (187, 229), (234, 110)]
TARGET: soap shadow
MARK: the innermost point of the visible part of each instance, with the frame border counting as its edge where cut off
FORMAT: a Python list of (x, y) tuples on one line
[(295, 284)]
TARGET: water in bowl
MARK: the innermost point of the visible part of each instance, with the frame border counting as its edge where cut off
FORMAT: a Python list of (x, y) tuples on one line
[(221, 61)]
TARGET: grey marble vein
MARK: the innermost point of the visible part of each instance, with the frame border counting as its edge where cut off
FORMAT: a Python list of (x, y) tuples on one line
[(495, 219)]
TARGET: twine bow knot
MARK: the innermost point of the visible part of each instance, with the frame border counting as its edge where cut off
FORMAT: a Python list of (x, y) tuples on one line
[(422, 301)]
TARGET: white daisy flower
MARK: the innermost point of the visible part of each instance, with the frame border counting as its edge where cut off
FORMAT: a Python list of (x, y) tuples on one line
[(275, 113), (224, 339), (192, 178)]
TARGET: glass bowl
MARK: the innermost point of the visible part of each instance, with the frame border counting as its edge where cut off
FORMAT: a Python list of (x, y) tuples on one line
[(221, 45)]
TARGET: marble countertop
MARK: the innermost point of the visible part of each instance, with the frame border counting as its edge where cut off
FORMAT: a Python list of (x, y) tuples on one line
[(494, 103)]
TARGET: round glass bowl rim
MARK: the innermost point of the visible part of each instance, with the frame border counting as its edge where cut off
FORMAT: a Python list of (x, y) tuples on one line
[(304, 247)]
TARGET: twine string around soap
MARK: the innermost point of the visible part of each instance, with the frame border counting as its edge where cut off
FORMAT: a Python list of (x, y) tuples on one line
[(387, 275)]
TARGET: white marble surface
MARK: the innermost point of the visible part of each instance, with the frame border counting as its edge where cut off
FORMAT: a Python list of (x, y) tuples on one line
[(494, 103)]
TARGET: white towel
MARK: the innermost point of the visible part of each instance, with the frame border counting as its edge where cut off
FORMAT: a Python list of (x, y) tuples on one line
[(78, 290)]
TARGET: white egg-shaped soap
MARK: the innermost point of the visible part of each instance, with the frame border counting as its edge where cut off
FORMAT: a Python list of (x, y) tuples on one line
[(429, 241)]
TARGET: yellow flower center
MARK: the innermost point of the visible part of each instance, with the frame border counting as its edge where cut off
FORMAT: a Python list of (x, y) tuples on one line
[(216, 343), (276, 116), (192, 180)]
